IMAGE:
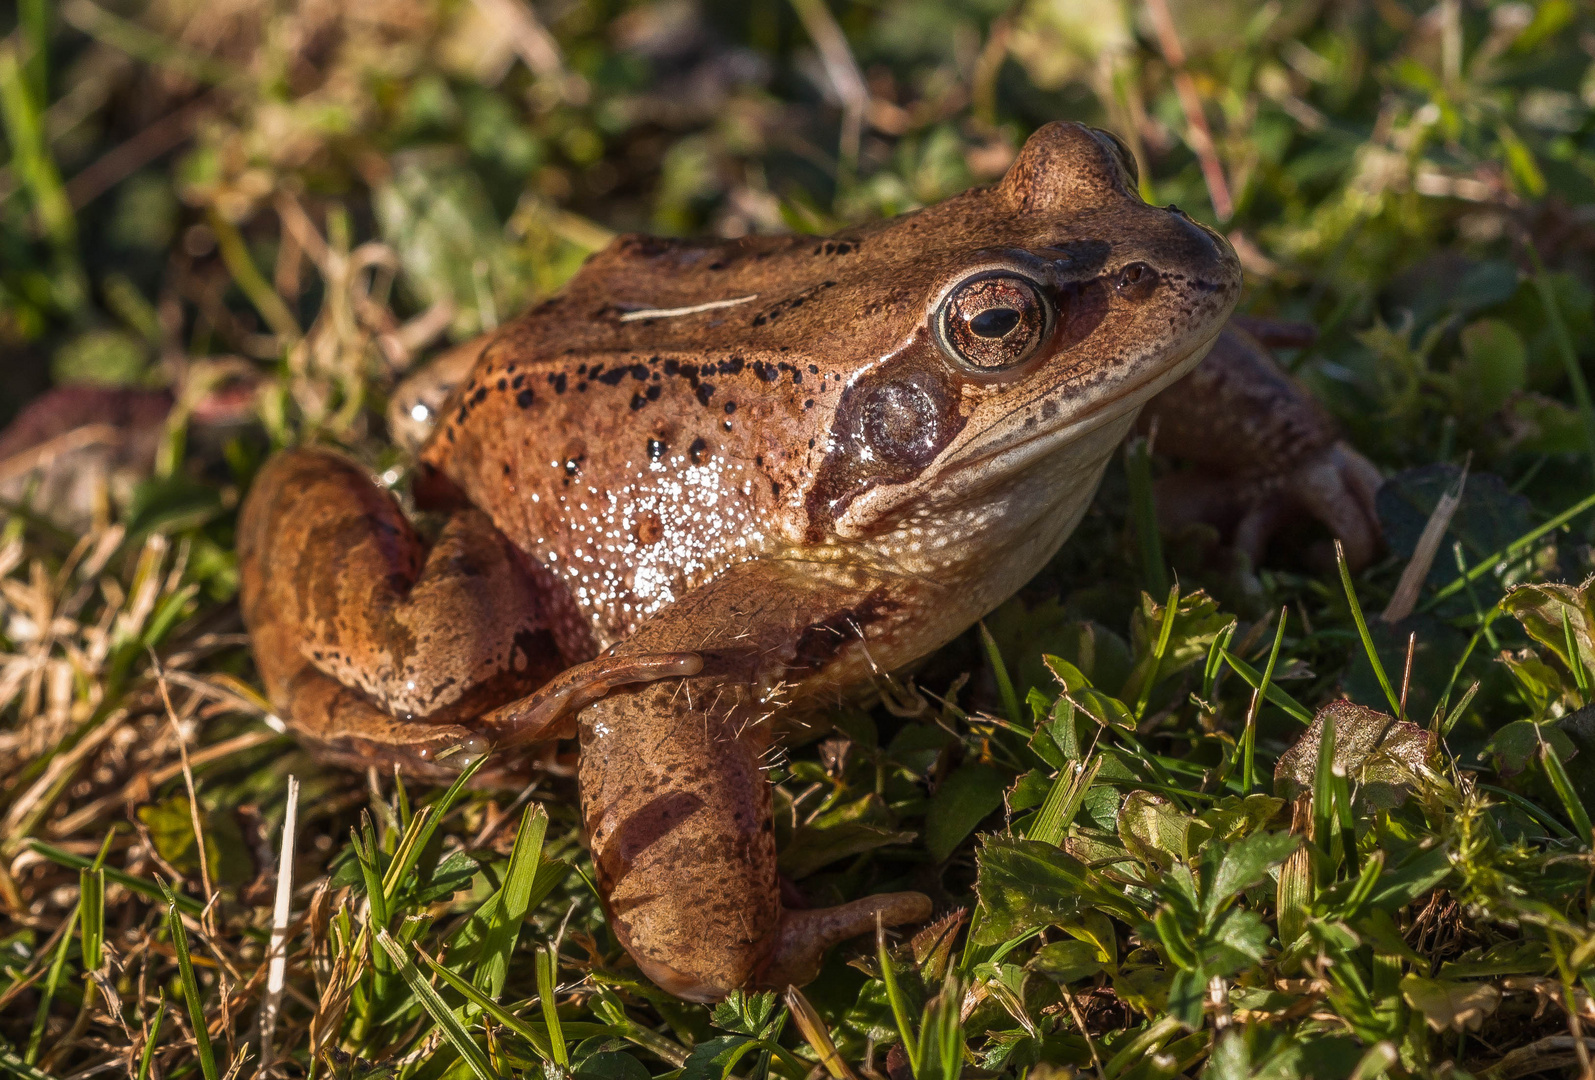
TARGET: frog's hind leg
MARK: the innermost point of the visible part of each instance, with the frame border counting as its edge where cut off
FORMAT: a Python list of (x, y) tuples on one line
[(371, 642)]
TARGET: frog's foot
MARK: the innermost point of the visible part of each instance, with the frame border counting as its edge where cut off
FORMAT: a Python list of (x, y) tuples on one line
[(348, 729), (550, 712), (806, 936), (1335, 487), (1262, 451)]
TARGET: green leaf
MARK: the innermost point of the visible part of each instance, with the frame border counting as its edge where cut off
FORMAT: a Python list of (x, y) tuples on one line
[(1415, 876), (1242, 940), (171, 826), (1550, 613), (1197, 622), (1065, 962), (1493, 366), (1377, 753), (1157, 831), (850, 829), (1450, 1005), (1181, 953), (714, 1059), (1106, 710), (1187, 990), (611, 1065), (1538, 682), (1516, 746), (968, 795), (1024, 884), (1245, 863), (745, 1013)]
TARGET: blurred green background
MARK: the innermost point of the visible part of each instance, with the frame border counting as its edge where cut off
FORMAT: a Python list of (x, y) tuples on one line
[(1388, 170)]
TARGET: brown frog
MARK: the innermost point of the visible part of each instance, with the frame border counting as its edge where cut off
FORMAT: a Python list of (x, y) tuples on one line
[(711, 486)]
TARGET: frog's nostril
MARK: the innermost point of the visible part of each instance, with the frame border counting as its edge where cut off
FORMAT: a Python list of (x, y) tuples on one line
[(1136, 281)]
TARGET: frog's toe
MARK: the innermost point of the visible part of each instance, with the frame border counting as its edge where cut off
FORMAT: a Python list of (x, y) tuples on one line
[(550, 711), (806, 936), (1335, 487), (1338, 488)]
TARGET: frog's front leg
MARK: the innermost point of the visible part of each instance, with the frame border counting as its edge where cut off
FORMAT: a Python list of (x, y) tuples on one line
[(1262, 449), (678, 807), (379, 649)]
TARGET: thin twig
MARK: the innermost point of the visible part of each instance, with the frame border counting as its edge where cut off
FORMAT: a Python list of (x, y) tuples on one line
[(277, 973), (1198, 135)]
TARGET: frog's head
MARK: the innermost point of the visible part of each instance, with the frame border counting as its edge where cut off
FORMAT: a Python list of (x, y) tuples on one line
[(1052, 306)]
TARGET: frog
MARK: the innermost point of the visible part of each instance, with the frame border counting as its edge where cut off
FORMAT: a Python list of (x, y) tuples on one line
[(711, 489)]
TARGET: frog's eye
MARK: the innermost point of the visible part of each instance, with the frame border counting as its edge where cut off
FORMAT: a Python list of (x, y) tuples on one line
[(994, 320)]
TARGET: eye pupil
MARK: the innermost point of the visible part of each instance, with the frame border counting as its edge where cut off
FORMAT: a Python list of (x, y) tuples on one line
[(994, 322)]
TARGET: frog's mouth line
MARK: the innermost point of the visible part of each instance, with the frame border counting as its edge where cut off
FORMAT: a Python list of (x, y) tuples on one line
[(1104, 412)]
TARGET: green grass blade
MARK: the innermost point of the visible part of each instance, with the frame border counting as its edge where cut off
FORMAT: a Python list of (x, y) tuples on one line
[(1143, 512), (1249, 736), (11, 1062), (1575, 659), (449, 1024), (1160, 650), (1362, 632), (406, 854), (365, 851), (33, 19), (1254, 679), (401, 795), (91, 897), (52, 982), (537, 1039), (999, 672), (505, 926), (1565, 350), (146, 1057), (446, 803), (547, 981), (1529, 808), (1215, 659), (143, 44), (1457, 713), (1324, 789), (142, 886), (196, 1005), (1515, 548), (1063, 801), (896, 998), (22, 114), (1576, 814), (1140, 1046)]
